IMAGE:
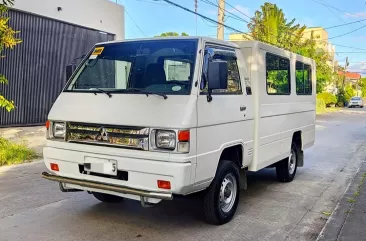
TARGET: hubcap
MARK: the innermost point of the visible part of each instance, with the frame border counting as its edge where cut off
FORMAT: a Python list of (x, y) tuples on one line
[(292, 162), (228, 192)]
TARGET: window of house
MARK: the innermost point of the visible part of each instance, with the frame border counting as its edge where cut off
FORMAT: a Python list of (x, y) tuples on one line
[(303, 79), (278, 75), (234, 84)]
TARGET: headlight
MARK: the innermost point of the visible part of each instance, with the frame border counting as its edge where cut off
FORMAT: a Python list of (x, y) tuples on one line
[(164, 139), (59, 130)]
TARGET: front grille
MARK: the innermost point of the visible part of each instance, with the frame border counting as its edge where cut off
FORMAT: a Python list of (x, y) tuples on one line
[(115, 136)]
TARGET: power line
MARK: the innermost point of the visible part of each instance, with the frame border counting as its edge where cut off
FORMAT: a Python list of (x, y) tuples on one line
[(345, 24), (238, 10), (136, 24), (341, 35), (234, 16)]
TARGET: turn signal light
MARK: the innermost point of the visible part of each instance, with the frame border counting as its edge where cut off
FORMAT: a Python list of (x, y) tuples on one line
[(48, 124), (183, 136), (164, 184), (54, 167)]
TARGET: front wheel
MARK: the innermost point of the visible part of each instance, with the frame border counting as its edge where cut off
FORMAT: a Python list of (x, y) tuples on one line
[(286, 169), (222, 197)]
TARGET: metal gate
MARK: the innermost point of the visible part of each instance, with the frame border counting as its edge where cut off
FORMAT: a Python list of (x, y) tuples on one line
[(36, 67)]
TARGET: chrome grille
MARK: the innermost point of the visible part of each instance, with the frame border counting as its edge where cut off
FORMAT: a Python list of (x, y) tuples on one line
[(117, 136)]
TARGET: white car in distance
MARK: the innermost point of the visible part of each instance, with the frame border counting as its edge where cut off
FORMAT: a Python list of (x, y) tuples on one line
[(355, 102)]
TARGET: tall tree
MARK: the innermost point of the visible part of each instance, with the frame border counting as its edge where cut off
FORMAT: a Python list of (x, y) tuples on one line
[(172, 34), (8, 39), (269, 25)]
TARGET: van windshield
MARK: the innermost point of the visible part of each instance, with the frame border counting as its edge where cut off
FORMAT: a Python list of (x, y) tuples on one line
[(161, 66)]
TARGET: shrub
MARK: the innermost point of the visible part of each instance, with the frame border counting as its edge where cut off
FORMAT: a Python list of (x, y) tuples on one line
[(349, 92), (328, 98), (13, 153), (320, 105)]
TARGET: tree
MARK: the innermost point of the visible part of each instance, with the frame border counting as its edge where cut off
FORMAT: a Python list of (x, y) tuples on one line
[(362, 84), (269, 25), (7, 40), (172, 34)]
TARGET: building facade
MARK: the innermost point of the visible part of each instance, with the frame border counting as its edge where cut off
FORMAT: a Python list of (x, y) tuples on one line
[(54, 34)]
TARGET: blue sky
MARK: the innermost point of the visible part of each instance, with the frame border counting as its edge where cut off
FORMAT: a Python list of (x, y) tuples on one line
[(155, 17)]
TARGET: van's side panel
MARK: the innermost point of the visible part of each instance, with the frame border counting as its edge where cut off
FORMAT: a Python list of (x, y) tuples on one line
[(280, 116)]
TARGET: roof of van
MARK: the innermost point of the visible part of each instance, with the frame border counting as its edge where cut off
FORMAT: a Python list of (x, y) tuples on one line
[(232, 43), (206, 39)]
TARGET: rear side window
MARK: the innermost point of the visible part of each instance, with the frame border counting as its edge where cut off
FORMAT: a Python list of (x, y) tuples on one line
[(303, 79), (278, 75)]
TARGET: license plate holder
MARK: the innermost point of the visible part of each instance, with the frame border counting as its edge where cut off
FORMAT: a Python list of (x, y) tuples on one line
[(100, 165)]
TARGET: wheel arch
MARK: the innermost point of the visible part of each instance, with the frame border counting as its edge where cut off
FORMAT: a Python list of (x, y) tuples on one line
[(297, 140)]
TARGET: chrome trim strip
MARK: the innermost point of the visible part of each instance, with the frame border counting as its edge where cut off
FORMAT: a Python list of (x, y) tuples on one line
[(108, 187)]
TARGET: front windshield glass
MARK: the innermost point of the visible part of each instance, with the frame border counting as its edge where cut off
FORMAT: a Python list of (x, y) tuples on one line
[(356, 98), (162, 66)]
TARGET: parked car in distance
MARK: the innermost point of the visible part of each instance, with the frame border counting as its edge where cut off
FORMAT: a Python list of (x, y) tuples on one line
[(355, 102)]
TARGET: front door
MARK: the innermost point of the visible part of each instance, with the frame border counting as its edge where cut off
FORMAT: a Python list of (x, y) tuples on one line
[(227, 120)]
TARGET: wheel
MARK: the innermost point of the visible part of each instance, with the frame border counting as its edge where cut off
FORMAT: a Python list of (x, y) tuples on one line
[(361, 106), (107, 198), (222, 197), (286, 169)]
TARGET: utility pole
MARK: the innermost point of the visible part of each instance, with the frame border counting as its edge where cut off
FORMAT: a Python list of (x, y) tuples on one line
[(345, 72), (220, 20)]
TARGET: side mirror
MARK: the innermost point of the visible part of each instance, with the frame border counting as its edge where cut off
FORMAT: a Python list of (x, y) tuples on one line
[(69, 71), (217, 75)]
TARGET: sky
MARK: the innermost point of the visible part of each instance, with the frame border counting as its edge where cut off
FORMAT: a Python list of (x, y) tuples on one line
[(148, 18)]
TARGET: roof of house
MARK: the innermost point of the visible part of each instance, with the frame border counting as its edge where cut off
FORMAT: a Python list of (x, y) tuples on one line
[(350, 75)]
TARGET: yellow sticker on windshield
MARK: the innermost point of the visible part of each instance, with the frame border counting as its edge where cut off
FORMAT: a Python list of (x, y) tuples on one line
[(98, 51)]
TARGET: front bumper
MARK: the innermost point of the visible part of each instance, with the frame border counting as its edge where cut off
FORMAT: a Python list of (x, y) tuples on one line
[(143, 172), (108, 187)]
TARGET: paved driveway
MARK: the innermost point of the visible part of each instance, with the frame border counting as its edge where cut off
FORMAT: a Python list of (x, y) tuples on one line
[(34, 209)]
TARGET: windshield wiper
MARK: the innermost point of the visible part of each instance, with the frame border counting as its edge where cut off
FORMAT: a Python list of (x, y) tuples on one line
[(147, 93), (102, 91)]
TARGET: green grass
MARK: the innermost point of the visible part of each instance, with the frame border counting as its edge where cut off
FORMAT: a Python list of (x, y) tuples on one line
[(13, 153)]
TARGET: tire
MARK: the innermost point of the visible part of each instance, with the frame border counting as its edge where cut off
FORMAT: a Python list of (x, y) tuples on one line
[(222, 196), (107, 198), (286, 169)]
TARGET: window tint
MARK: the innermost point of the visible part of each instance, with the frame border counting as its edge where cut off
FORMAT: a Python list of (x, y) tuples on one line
[(278, 75), (234, 85), (303, 79)]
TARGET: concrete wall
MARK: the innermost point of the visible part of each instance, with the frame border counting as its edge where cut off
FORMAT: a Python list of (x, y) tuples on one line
[(102, 15)]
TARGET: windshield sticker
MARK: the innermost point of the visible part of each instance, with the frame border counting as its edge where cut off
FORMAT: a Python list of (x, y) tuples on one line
[(97, 51), (176, 88)]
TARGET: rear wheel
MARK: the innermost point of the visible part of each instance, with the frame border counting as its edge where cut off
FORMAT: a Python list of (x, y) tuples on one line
[(222, 197), (107, 197), (286, 169)]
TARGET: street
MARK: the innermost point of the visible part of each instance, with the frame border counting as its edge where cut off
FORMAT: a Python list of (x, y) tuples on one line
[(35, 209)]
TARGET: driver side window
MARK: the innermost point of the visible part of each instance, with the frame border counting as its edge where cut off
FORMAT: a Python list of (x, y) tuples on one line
[(233, 80)]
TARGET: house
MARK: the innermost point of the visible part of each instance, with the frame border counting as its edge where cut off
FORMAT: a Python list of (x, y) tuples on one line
[(54, 34)]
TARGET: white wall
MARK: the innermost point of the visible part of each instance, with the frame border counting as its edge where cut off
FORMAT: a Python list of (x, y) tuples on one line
[(102, 15)]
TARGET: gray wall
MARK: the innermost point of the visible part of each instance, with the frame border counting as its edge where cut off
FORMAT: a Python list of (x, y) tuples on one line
[(36, 68)]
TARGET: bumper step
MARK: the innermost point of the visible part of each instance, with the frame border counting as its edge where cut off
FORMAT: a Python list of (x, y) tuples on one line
[(108, 187)]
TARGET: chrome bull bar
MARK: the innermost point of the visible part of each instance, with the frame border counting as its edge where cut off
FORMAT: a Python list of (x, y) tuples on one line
[(108, 187)]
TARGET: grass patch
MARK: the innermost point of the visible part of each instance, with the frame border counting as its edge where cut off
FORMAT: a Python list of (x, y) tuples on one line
[(351, 200), (13, 153), (327, 213)]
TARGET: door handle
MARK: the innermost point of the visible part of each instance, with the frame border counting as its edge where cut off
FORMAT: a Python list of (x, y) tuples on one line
[(243, 108)]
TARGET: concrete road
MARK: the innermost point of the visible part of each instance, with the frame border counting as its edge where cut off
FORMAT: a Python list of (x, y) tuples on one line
[(34, 209)]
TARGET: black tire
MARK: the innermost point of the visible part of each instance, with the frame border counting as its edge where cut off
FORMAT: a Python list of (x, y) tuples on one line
[(107, 198), (283, 170), (213, 212)]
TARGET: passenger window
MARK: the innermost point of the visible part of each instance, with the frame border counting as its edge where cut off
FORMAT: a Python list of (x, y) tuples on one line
[(303, 79), (234, 85), (278, 75)]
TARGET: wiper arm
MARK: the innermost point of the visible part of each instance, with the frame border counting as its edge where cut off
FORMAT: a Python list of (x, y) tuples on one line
[(147, 93), (102, 91)]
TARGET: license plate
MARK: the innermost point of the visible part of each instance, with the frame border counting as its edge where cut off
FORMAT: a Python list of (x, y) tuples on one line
[(99, 165)]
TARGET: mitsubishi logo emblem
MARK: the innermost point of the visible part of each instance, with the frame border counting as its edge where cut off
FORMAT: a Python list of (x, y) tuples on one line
[(103, 135)]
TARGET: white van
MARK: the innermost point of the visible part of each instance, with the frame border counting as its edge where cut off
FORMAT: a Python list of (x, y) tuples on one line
[(157, 118)]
